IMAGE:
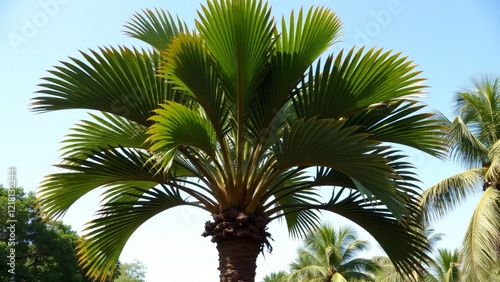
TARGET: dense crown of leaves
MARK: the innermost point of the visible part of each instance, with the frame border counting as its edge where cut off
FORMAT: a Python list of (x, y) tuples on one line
[(239, 113)]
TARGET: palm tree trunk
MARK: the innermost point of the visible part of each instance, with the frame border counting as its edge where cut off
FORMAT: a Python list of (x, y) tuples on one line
[(239, 238), (238, 259)]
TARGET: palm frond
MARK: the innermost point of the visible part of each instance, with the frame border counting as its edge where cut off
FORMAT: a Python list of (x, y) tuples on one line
[(239, 37), (443, 197), (177, 125), (388, 272), (446, 265), (301, 41), (107, 130), (345, 85), (188, 65), (156, 28), (406, 247), (403, 122), (466, 148), (325, 143), (106, 236), (479, 256), (118, 81), (104, 167), (492, 173)]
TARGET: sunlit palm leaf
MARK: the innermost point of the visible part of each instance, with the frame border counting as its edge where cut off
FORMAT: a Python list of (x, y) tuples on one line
[(176, 125), (105, 131), (479, 257), (239, 37), (104, 167), (466, 148), (344, 85), (189, 66), (155, 28), (445, 196), (388, 272), (402, 122), (337, 277), (324, 143), (118, 81), (301, 41), (492, 173)]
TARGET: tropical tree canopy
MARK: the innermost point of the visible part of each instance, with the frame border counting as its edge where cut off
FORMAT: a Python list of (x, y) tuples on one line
[(333, 255), (40, 250), (443, 268), (280, 276), (475, 143), (134, 271), (241, 118)]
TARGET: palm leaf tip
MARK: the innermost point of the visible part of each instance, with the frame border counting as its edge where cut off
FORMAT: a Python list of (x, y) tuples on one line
[(156, 28)]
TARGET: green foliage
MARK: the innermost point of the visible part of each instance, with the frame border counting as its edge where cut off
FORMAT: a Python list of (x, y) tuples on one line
[(44, 251), (474, 136), (333, 255), (280, 276), (132, 272), (230, 117)]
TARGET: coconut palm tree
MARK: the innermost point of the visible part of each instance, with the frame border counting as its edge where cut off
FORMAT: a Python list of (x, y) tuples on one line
[(240, 119), (280, 276), (445, 267), (389, 273), (333, 255), (475, 143)]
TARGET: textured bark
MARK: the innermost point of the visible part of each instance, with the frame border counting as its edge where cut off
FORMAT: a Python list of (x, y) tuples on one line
[(239, 237), (237, 259)]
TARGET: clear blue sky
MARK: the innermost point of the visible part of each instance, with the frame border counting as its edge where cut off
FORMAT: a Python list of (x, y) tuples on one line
[(449, 41)]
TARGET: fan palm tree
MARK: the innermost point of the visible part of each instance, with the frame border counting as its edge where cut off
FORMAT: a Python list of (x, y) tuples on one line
[(475, 137), (240, 119), (333, 255)]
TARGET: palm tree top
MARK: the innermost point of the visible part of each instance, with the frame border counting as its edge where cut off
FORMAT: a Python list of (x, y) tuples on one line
[(474, 134), (333, 253), (230, 118)]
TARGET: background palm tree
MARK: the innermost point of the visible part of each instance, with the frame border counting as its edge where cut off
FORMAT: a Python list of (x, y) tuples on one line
[(389, 273), (239, 119), (333, 255), (475, 137), (280, 276), (445, 266)]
